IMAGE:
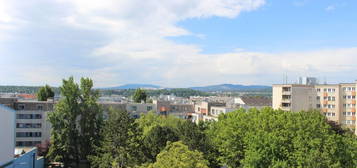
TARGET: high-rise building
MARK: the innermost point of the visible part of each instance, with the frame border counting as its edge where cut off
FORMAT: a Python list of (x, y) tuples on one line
[(336, 101)]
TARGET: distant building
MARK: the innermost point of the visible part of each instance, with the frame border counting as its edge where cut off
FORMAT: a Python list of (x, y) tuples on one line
[(174, 108), (336, 101), (258, 102), (7, 136)]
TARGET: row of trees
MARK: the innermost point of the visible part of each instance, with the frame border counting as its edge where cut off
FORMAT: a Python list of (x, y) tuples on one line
[(254, 138)]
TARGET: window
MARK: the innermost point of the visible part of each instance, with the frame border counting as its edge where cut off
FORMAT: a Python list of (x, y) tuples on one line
[(353, 89), (39, 107), (318, 105), (21, 107), (28, 134), (329, 90), (344, 96), (325, 90), (28, 116), (134, 108), (344, 88), (28, 125), (349, 113), (344, 113), (318, 98), (333, 114), (149, 108), (27, 143), (318, 89), (333, 98)]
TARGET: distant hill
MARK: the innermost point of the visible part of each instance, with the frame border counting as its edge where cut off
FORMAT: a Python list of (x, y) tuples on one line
[(230, 87), (134, 86)]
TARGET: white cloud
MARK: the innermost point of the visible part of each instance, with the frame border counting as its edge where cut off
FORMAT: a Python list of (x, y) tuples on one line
[(133, 45), (330, 8)]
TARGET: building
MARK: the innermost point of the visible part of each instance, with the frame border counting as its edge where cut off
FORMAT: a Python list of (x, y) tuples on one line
[(32, 126), (248, 102), (174, 108), (336, 101), (7, 137), (137, 109)]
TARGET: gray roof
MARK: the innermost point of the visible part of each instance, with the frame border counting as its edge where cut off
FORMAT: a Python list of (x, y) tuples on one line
[(257, 101)]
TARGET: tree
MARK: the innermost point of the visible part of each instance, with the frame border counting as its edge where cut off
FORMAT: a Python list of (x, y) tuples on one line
[(44, 93), (76, 122), (139, 95), (177, 155), (121, 146), (274, 138), (194, 136), (157, 138)]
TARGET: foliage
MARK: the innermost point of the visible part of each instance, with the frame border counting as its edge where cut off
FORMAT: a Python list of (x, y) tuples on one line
[(177, 155), (44, 93), (76, 122), (121, 146), (24, 89), (274, 138), (156, 140), (139, 96), (189, 133)]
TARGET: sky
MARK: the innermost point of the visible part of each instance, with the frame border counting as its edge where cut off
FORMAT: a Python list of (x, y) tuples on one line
[(177, 43)]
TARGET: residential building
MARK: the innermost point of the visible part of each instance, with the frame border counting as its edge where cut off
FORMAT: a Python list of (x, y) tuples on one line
[(248, 102), (336, 101), (7, 137), (177, 109), (137, 109)]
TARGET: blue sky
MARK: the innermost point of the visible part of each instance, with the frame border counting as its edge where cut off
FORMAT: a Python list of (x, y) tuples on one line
[(177, 43)]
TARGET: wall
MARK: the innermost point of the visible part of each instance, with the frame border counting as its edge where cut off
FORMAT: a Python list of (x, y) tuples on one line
[(7, 136)]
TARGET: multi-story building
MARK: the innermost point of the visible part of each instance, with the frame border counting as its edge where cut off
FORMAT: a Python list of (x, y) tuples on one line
[(336, 101), (174, 108), (137, 109), (7, 137)]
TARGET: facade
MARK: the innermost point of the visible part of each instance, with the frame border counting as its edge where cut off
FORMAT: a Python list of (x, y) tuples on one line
[(178, 109), (32, 126), (137, 109), (7, 136), (336, 101)]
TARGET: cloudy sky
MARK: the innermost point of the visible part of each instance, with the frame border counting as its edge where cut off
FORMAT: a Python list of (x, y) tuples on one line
[(177, 43)]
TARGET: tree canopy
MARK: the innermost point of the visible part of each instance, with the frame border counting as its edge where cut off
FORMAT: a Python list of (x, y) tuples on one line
[(139, 95), (274, 138), (177, 155), (76, 123), (44, 93)]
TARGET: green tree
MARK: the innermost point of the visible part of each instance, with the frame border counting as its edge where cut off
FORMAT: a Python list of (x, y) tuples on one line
[(157, 138), (121, 146), (76, 122), (274, 138), (139, 95), (194, 136), (177, 155), (44, 93)]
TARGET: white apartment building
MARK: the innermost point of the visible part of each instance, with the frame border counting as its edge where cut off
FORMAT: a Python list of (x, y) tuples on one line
[(336, 101), (7, 137)]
